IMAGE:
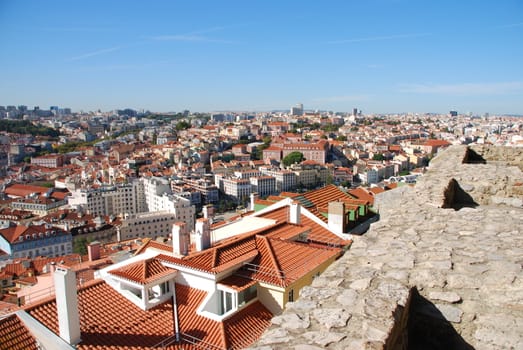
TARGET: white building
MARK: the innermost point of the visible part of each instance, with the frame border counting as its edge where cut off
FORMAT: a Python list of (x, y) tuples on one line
[(146, 225), (107, 200), (285, 179)]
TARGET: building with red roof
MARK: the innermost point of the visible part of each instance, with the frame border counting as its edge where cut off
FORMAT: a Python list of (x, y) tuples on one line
[(216, 297)]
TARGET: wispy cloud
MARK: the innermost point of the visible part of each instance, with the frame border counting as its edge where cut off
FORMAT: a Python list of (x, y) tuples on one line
[(131, 66), (194, 36), (497, 88), (344, 98), (379, 38), (511, 25), (76, 29), (95, 53), (189, 38)]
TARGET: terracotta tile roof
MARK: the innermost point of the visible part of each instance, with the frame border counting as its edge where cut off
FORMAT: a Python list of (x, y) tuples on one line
[(361, 193), (376, 190), (12, 233), (109, 321), (282, 262), (318, 233), (149, 243), (289, 194), (436, 143), (21, 190), (321, 197), (144, 271), (218, 258), (237, 283), (246, 326), (14, 335)]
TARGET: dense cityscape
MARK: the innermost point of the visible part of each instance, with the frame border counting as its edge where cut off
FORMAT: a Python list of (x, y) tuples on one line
[(125, 199), (185, 175)]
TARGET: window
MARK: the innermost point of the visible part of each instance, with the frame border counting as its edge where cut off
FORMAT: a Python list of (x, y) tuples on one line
[(165, 287), (247, 295), (291, 295)]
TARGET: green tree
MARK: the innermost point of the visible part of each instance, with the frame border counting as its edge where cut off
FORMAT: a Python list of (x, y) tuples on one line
[(80, 245), (341, 138), (27, 127), (293, 157), (378, 156), (182, 125)]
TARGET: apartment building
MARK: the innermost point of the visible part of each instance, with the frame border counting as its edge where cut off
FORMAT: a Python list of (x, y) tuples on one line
[(311, 151), (20, 241), (108, 200), (146, 225), (263, 185), (49, 160), (285, 179), (310, 174), (237, 189)]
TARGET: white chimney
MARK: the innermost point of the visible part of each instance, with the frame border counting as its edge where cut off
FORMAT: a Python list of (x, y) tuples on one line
[(337, 217), (180, 238), (67, 304), (208, 211), (254, 196), (294, 213), (203, 234)]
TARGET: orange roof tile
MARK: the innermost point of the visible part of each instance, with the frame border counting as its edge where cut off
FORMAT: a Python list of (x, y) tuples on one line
[(282, 262), (361, 193), (318, 233), (108, 321), (21, 190), (14, 335), (237, 283), (144, 271)]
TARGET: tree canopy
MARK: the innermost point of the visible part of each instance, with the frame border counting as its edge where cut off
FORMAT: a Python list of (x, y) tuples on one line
[(26, 127), (182, 125), (293, 157), (378, 156)]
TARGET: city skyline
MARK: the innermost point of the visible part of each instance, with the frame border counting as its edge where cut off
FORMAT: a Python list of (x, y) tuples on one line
[(378, 56)]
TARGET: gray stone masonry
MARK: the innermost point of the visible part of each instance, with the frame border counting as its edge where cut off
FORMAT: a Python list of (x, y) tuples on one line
[(466, 263)]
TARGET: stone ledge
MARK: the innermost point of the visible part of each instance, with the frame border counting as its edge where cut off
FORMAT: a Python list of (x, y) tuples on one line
[(465, 264)]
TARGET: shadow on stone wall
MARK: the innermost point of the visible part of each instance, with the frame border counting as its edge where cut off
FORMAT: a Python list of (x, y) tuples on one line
[(472, 157), (420, 325), (456, 198), (428, 329)]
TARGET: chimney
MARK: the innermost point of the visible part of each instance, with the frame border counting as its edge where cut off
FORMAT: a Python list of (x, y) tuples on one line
[(67, 304), (208, 211), (337, 217), (203, 234), (93, 250), (294, 213), (254, 198), (180, 238)]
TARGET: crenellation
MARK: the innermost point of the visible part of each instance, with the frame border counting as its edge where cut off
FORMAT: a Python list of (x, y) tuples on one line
[(462, 265)]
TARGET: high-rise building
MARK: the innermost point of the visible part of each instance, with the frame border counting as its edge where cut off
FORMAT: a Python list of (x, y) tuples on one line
[(297, 109)]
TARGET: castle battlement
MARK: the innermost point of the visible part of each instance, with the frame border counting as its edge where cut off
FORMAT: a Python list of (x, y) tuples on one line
[(442, 268)]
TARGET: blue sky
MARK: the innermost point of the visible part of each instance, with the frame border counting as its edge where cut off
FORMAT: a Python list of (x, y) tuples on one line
[(381, 56)]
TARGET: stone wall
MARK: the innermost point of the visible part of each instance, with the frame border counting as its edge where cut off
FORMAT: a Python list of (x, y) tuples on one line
[(425, 276)]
